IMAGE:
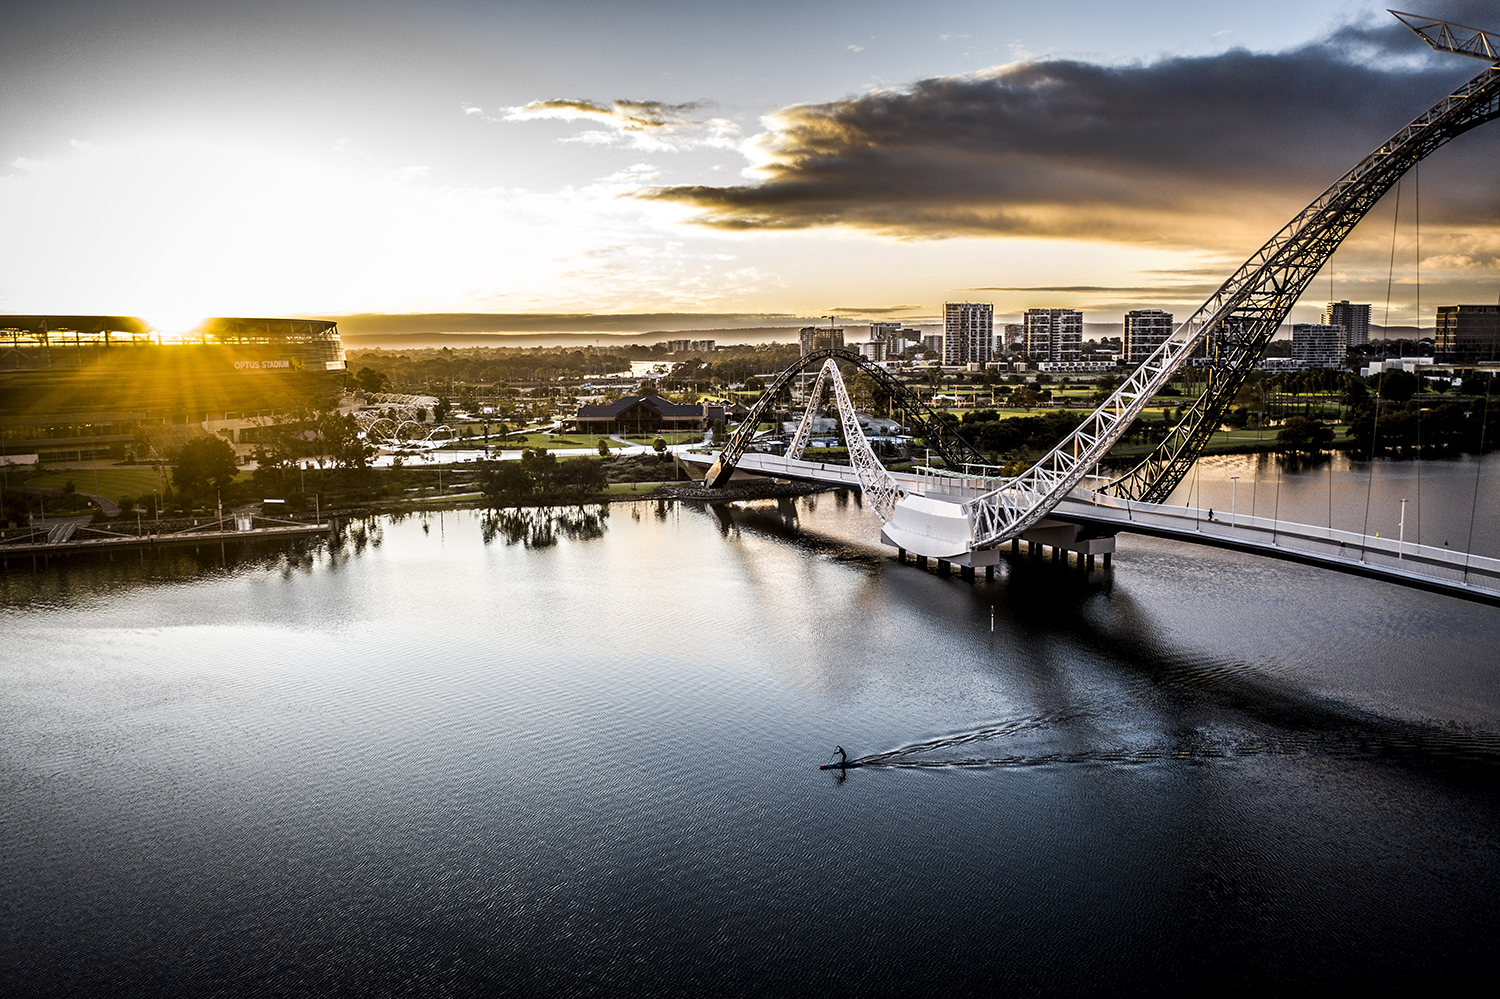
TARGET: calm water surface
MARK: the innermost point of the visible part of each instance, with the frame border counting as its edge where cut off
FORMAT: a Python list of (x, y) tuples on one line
[(447, 755)]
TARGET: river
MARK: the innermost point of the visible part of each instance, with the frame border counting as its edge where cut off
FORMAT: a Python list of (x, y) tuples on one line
[(577, 755)]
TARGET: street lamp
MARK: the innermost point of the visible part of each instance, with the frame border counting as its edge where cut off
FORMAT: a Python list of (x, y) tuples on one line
[(1234, 496), (1401, 538)]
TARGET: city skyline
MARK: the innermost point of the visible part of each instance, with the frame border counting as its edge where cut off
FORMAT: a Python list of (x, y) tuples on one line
[(175, 162)]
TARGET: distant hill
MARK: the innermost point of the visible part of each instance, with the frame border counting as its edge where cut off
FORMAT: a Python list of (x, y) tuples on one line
[(481, 329)]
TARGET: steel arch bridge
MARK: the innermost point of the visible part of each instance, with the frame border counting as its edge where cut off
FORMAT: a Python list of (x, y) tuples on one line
[(922, 418), (1236, 322)]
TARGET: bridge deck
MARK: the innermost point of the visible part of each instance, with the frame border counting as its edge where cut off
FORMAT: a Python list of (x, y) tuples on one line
[(1423, 566)]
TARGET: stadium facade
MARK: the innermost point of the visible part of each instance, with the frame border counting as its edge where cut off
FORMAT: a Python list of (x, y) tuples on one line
[(92, 387)]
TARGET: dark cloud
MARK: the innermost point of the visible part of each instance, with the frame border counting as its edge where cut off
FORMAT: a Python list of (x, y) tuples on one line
[(1210, 151)]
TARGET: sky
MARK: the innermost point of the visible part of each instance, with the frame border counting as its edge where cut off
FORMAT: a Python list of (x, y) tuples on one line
[(870, 160)]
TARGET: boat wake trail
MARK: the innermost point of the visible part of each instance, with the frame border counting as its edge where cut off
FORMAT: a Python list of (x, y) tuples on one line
[(911, 755), (1056, 740)]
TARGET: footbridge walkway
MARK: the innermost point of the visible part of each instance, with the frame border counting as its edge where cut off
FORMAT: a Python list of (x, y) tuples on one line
[(935, 519)]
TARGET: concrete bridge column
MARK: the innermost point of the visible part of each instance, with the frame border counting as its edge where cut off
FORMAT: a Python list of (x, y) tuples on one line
[(989, 574), (944, 567), (966, 572)]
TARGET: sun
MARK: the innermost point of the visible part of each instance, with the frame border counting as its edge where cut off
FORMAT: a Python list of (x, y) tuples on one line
[(175, 324)]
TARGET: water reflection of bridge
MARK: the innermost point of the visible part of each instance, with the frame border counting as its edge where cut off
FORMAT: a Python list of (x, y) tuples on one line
[(963, 513)]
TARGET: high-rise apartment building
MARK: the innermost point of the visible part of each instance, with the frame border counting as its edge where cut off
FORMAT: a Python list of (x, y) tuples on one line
[(934, 343), (1318, 345), (821, 338), (1467, 334), (1054, 334), (1145, 330), (1355, 319), (968, 332)]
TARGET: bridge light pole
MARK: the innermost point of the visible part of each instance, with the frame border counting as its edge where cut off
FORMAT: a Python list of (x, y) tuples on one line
[(1401, 538), (1234, 496)]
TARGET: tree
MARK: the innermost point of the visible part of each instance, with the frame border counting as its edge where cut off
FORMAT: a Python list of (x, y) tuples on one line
[(503, 483), (1024, 397), (603, 446), (1355, 391), (203, 464), (1299, 434), (1398, 386), (580, 478), (342, 442), (371, 380), (660, 445), (540, 466)]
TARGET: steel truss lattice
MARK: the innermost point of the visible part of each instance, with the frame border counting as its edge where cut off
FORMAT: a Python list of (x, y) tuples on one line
[(923, 420), (1238, 320)]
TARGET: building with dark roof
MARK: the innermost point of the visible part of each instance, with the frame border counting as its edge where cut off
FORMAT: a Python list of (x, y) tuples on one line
[(645, 414)]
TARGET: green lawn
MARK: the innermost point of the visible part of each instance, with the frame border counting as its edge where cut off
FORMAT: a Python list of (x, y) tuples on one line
[(626, 488), (112, 482), (680, 437), (549, 441)]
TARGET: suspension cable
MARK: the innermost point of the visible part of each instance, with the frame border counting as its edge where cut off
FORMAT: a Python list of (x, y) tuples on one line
[(1478, 465), (1421, 381), (1385, 345)]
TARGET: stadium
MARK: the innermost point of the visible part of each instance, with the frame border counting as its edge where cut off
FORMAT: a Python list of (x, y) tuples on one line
[(90, 387)]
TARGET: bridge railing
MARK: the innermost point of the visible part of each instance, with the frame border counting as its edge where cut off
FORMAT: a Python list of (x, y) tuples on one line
[(1391, 555)]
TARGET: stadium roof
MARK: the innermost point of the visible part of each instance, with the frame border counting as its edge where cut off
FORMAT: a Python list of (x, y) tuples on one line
[(229, 327), (75, 324)]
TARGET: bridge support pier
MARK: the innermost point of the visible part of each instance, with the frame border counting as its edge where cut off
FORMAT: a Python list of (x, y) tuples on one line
[(944, 567), (966, 572), (1091, 562), (1106, 561), (901, 555), (989, 574)]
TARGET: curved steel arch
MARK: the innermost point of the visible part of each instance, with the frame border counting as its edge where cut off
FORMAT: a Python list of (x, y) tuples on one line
[(1289, 262), (922, 418), (1241, 316)]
